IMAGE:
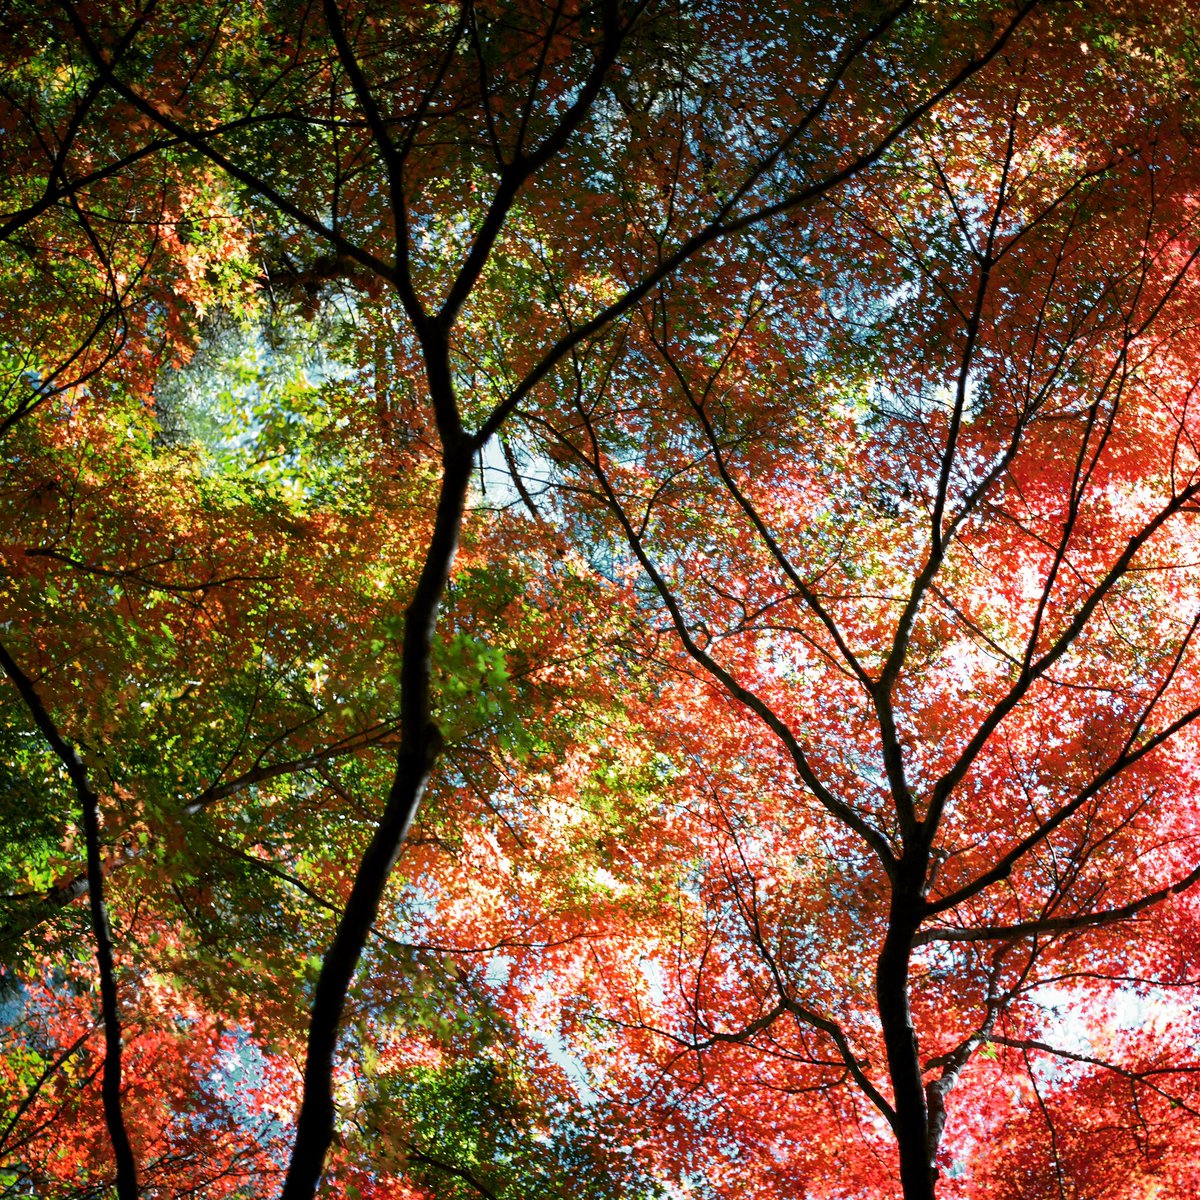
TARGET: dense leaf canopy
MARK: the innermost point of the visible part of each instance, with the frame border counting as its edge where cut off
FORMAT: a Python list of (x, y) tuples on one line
[(599, 600)]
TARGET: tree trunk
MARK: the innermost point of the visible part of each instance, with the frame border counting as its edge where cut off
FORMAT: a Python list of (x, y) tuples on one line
[(911, 1123), (420, 746)]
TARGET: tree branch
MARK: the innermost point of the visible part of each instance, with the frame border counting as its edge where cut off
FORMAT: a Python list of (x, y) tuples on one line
[(127, 1186), (1107, 916)]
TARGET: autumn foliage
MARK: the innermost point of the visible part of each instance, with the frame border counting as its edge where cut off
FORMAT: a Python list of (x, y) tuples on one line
[(600, 600)]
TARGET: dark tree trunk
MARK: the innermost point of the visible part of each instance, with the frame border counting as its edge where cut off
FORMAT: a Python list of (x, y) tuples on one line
[(420, 745), (911, 1122)]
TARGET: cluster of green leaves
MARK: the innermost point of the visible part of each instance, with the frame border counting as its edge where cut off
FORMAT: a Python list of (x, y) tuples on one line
[(478, 1127)]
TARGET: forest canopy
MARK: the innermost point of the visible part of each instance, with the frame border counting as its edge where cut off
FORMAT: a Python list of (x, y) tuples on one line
[(599, 600)]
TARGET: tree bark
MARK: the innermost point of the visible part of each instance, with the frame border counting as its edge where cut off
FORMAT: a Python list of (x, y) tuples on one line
[(421, 743), (114, 1118), (911, 1121)]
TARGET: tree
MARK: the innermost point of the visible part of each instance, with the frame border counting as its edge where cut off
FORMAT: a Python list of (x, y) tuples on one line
[(925, 519), (757, 340)]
